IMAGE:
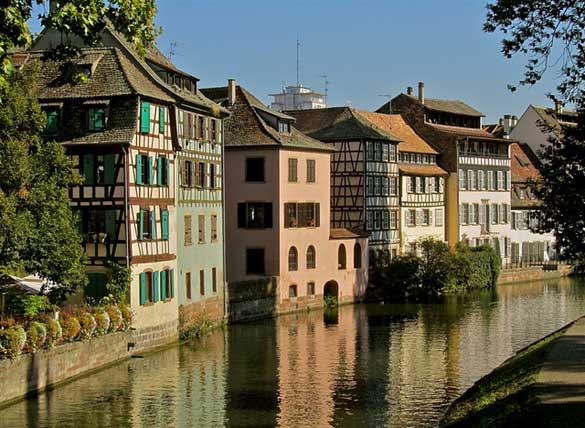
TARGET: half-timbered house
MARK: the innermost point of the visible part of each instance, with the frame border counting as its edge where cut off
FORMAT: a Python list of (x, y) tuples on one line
[(277, 208), (120, 128), (364, 172), (477, 187)]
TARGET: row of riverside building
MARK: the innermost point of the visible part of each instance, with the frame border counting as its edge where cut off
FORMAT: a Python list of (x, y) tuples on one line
[(201, 192)]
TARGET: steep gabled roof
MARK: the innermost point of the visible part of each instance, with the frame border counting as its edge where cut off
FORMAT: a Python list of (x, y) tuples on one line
[(339, 123), (467, 132), (436, 104), (395, 124), (247, 128)]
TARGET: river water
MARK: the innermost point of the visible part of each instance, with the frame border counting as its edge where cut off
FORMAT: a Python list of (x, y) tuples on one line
[(392, 365)]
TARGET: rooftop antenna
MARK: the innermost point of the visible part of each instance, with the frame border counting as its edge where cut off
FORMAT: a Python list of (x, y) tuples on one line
[(173, 50), (326, 82), (298, 60)]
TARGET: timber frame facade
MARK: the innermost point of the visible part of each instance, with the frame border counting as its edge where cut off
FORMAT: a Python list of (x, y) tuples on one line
[(121, 129)]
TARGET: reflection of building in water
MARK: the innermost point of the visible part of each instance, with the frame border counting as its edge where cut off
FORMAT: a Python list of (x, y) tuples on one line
[(316, 365)]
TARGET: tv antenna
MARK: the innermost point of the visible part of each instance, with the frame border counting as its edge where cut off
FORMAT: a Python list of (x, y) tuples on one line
[(385, 96), (173, 50), (326, 82)]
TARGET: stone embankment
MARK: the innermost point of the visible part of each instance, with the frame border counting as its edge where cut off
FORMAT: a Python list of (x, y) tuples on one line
[(511, 276)]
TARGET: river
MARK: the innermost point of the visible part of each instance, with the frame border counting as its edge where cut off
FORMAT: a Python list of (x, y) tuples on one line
[(392, 365)]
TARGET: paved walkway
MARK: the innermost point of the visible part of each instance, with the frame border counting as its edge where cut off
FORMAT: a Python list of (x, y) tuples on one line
[(561, 384)]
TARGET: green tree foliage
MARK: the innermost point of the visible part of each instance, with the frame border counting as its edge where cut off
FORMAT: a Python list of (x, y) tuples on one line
[(37, 227), (81, 18), (552, 34)]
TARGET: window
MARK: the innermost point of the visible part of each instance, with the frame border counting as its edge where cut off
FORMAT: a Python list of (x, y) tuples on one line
[(411, 184), (99, 226), (385, 220), (293, 259), (378, 186), (164, 224), (188, 284), (439, 217), (255, 261), (52, 125), (370, 151), (491, 180), (385, 182), (426, 217), (311, 257), (341, 257), (145, 117), (392, 153), (393, 186), (96, 119), (304, 214), (146, 225), (254, 215), (494, 214), (283, 126), (501, 213), (472, 180), (462, 178), (213, 129), (377, 220), (162, 171), (188, 238), (369, 220), (212, 176), (255, 170), (411, 218), (393, 219), (214, 280), (500, 185), (187, 173), (200, 127), (161, 120), (147, 289), (357, 256), (202, 282), (480, 180), (201, 229), (310, 171), (378, 151), (310, 288), (201, 175), (292, 291), (292, 170), (143, 169), (420, 184), (213, 227), (384, 152), (369, 186)]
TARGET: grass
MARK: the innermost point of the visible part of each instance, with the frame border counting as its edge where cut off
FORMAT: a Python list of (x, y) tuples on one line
[(503, 397)]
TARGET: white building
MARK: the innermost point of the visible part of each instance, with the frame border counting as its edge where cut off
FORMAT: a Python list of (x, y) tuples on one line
[(298, 98)]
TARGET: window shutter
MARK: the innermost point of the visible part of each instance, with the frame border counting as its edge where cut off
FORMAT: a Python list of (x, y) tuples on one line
[(111, 227), (153, 224), (168, 169), (242, 215), (159, 170), (268, 214), (481, 213), (317, 215), (163, 285), (462, 182), (461, 215), (109, 168), (155, 286), (145, 117), (142, 288), (165, 224), (508, 180), (88, 169), (141, 225), (149, 169), (139, 169), (161, 120), (172, 274), (508, 213)]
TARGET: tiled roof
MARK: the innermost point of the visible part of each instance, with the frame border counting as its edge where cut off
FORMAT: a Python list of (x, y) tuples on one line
[(346, 234), (524, 163), (466, 132), (394, 124), (451, 106), (414, 169), (246, 127), (528, 200), (339, 123)]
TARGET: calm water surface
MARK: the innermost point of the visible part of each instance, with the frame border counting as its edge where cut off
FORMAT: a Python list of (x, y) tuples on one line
[(372, 366)]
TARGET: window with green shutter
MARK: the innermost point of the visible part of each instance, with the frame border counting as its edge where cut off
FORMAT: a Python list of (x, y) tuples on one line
[(163, 285), (161, 120), (52, 125), (89, 168), (164, 216), (109, 168), (162, 171), (97, 119), (152, 225), (172, 282), (148, 174), (141, 215), (145, 117), (139, 179), (155, 286), (143, 288), (111, 226)]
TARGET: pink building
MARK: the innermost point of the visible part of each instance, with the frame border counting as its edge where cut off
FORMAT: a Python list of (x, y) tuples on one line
[(277, 207)]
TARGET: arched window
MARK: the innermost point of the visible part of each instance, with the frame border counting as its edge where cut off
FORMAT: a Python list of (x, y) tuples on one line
[(357, 256), (311, 257), (293, 259), (341, 257)]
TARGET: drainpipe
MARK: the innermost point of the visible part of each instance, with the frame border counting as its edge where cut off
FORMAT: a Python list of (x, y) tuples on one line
[(126, 207)]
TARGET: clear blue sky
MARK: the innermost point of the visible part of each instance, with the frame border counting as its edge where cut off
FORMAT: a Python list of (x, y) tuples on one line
[(367, 47)]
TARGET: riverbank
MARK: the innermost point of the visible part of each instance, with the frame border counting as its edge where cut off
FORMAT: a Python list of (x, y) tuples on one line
[(543, 385), (535, 273)]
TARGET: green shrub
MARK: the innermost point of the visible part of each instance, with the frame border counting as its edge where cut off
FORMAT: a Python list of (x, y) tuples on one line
[(87, 324), (115, 318), (102, 320), (54, 332), (70, 326), (12, 340), (27, 305), (36, 336)]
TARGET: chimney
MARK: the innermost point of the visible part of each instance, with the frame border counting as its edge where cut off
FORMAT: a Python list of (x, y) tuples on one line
[(514, 120), (231, 92), (558, 107), (409, 90), (508, 123), (421, 92)]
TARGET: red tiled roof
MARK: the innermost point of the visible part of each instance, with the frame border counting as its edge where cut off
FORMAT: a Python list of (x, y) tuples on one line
[(465, 132), (523, 163), (413, 169), (346, 234)]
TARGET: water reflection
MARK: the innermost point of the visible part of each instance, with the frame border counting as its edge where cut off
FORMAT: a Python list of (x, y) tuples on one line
[(379, 365)]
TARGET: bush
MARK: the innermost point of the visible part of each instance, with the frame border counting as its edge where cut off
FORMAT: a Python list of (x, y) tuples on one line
[(27, 305), (12, 340), (102, 320), (115, 318), (126, 317), (36, 336), (87, 324), (70, 327), (54, 332)]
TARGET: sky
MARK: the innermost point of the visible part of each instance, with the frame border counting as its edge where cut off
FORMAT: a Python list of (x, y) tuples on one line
[(369, 49)]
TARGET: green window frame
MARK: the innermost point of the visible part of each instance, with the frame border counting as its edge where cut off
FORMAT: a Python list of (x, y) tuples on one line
[(152, 225), (52, 126), (155, 286), (97, 119), (162, 171), (161, 120), (142, 288), (164, 216), (145, 117), (163, 285)]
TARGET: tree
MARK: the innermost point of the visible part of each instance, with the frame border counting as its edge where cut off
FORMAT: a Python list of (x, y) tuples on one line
[(37, 227), (82, 18), (552, 34)]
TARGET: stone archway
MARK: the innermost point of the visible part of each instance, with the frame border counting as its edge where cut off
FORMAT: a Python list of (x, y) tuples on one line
[(331, 293)]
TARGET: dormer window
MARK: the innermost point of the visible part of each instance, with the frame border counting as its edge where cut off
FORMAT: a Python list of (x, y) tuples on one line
[(283, 127), (96, 119), (52, 126)]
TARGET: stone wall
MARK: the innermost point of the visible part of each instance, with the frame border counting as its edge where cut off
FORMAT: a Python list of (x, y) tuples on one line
[(511, 276), (34, 372), (255, 299), (146, 338), (211, 309)]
